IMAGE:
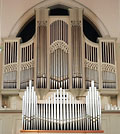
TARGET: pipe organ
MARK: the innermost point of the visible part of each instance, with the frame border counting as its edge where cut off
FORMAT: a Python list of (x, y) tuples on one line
[(59, 56), (59, 53), (108, 64), (61, 111), (91, 64), (27, 64), (10, 63)]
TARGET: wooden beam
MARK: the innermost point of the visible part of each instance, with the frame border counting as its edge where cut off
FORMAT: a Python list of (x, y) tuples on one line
[(62, 131)]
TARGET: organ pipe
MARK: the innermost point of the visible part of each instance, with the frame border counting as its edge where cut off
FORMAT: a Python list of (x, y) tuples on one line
[(108, 61), (91, 65), (59, 31), (59, 55), (10, 64), (27, 65), (59, 58), (80, 116)]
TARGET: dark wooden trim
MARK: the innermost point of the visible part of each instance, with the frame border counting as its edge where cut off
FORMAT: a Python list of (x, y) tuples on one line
[(62, 131)]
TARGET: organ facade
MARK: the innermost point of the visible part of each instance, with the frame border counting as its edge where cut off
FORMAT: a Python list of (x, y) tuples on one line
[(59, 55)]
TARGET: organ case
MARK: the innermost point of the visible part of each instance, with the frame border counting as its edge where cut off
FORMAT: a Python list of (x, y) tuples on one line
[(59, 55)]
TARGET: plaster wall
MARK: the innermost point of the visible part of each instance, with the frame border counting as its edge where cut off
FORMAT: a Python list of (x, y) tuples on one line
[(107, 10)]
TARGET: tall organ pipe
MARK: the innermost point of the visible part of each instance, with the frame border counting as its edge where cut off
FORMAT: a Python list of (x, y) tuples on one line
[(69, 114)]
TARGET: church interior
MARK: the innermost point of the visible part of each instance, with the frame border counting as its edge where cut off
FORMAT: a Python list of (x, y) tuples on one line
[(61, 57)]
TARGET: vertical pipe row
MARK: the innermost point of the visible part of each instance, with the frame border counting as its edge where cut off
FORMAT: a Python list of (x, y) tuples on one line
[(58, 31), (61, 111), (26, 57), (91, 55), (29, 111), (108, 77), (10, 56), (93, 104)]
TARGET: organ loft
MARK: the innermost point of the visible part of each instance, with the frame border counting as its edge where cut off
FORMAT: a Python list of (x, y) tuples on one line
[(61, 72)]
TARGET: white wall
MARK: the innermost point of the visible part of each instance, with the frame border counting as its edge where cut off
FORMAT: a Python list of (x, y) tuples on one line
[(107, 10), (11, 123)]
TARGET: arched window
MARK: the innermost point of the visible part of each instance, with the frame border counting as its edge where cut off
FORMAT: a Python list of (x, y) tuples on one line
[(90, 31), (58, 10), (28, 30)]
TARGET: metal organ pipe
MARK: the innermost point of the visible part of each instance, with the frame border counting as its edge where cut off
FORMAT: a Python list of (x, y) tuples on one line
[(91, 65), (59, 68), (61, 111), (10, 64), (27, 67), (108, 65)]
